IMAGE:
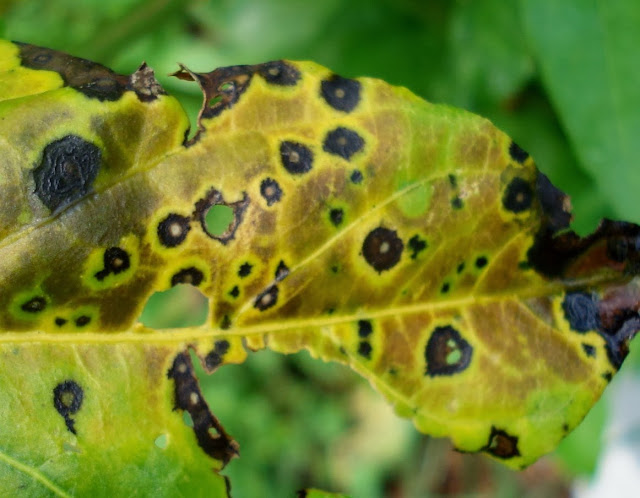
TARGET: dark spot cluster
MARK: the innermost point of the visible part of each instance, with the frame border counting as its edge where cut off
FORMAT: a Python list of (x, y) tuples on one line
[(215, 198), (267, 298), (190, 275), (502, 445), (382, 249), (209, 433), (279, 73), (270, 190), (343, 142), (215, 357), (365, 329), (518, 196), (296, 158), (173, 230), (446, 353), (336, 215), (34, 305), (115, 261), (341, 93), (67, 171), (416, 246), (282, 271), (67, 400)]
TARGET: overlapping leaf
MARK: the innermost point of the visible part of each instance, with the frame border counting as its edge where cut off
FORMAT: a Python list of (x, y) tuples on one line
[(416, 243)]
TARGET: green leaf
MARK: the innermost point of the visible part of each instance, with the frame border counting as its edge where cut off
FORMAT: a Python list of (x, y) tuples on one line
[(415, 243), (587, 55)]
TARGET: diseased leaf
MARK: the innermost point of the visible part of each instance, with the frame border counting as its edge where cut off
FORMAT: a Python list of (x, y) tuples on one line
[(416, 243)]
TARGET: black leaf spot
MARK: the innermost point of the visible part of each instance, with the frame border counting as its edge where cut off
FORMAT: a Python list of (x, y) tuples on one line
[(589, 350), (456, 203), (215, 357), (245, 270), (34, 305), (67, 400), (365, 329), (517, 153), (364, 349), (341, 93), (267, 299), (502, 445), (356, 176), (343, 142), (382, 249), (447, 352), (83, 320), (59, 321), (416, 245), (271, 191), (209, 433), (518, 196), (296, 158), (173, 230), (189, 275), (279, 73), (336, 215), (115, 260), (67, 171), (481, 262), (281, 272), (235, 292)]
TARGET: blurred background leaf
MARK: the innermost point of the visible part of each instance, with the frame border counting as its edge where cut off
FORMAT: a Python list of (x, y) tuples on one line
[(560, 76)]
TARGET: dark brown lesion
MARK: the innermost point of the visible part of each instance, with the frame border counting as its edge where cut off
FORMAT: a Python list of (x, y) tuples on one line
[(214, 198), (90, 78), (209, 433), (447, 352), (215, 357), (190, 275), (115, 261), (224, 86), (501, 444)]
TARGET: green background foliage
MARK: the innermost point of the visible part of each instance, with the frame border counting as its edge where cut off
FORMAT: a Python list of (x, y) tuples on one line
[(560, 77)]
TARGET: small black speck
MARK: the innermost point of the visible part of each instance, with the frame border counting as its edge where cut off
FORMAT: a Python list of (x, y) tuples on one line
[(245, 270), (60, 321), (356, 176), (364, 349), (365, 329), (589, 350), (453, 181), (481, 262), (517, 153), (235, 292), (460, 268), (83, 320), (445, 288), (225, 323), (336, 216), (456, 203), (34, 305), (416, 245), (281, 272)]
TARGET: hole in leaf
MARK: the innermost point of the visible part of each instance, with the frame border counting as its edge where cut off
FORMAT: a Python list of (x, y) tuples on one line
[(218, 219), (214, 100), (186, 416), (161, 441), (180, 306)]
